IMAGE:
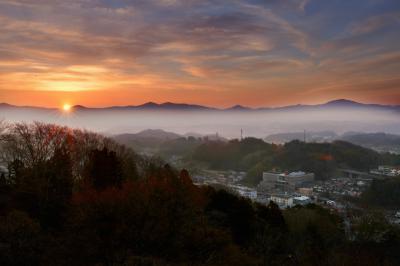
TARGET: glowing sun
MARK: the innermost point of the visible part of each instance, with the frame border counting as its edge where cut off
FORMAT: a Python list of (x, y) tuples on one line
[(66, 107)]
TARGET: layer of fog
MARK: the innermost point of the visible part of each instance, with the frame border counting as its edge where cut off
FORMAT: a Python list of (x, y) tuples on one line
[(227, 124)]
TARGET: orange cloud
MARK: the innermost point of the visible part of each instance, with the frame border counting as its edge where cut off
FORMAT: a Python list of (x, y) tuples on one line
[(254, 53)]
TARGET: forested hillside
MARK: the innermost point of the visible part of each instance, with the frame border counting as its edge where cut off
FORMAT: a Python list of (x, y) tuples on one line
[(76, 198), (255, 156)]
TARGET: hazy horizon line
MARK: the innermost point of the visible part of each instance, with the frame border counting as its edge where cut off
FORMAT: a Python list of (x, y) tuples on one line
[(201, 105)]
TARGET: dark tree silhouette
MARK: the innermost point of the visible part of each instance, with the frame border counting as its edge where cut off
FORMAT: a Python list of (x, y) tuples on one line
[(103, 169)]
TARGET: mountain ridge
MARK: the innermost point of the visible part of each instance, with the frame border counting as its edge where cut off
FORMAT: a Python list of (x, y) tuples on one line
[(170, 106)]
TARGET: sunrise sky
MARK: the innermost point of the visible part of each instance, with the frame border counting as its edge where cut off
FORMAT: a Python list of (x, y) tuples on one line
[(211, 52)]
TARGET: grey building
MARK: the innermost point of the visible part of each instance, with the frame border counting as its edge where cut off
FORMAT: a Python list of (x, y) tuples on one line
[(288, 182)]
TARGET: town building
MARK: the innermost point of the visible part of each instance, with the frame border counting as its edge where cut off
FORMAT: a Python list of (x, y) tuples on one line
[(305, 191), (301, 200), (285, 182), (282, 200)]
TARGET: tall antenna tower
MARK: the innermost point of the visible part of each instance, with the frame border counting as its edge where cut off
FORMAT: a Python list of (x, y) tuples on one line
[(304, 136), (241, 134)]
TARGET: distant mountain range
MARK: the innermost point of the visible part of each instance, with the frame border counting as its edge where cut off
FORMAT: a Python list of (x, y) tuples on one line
[(337, 116), (168, 106), (382, 142)]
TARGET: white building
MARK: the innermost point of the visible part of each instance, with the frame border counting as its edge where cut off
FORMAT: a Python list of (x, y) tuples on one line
[(302, 200), (283, 201)]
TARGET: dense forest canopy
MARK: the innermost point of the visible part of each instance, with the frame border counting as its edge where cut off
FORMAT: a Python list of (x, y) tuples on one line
[(76, 198), (383, 193)]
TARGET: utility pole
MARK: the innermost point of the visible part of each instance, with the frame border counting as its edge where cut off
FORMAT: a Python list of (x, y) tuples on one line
[(241, 134), (304, 136)]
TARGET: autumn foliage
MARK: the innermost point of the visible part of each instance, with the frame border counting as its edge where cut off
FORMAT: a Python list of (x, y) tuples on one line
[(76, 198)]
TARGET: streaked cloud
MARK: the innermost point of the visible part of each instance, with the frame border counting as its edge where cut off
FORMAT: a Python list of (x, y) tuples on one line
[(278, 49), (377, 22)]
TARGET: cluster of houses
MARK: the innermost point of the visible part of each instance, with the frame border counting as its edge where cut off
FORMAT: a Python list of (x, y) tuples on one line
[(210, 177), (385, 170), (337, 187), (286, 189)]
